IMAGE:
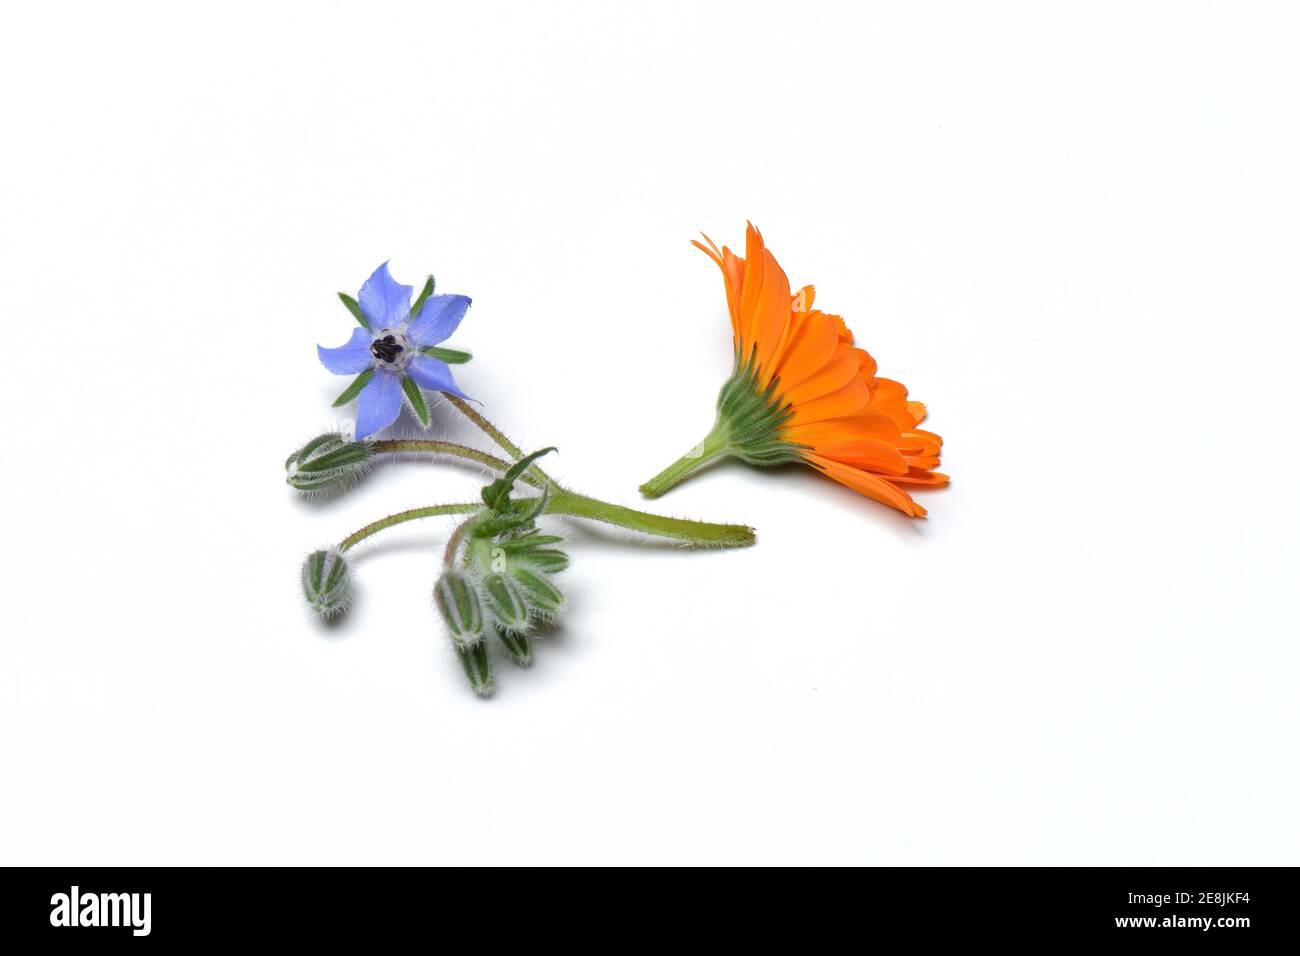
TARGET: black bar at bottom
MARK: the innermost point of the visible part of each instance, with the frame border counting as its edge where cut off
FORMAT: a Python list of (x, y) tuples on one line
[(373, 906)]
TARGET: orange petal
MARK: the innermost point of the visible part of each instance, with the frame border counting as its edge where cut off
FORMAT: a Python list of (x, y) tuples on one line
[(800, 307), (868, 363), (808, 350), (887, 392), (919, 476), (733, 273), (865, 483), (751, 286), (869, 454), (834, 375), (732, 270), (861, 425), (890, 398), (710, 250), (765, 299), (852, 398), (924, 442), (921, 461)]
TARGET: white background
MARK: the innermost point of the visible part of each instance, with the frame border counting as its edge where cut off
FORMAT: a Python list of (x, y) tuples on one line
[(1071, 230)]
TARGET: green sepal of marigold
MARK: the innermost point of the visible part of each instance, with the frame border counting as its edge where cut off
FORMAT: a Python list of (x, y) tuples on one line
[(748, 426)]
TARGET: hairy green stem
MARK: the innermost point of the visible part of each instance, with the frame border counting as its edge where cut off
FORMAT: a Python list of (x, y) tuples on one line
[(454, 540), (403, 516), (398, 446), (494, 433), (700, 534), (703, 534), (486, 426), (423, 446), (713, 447), (561, 501)]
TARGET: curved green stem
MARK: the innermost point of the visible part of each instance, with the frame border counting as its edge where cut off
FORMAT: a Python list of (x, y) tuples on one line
[(397, 446), (454, 540), (486, 426), (423, 446), (402, 516), (561, 501), (704, 534), (701, 534), (494, 433)]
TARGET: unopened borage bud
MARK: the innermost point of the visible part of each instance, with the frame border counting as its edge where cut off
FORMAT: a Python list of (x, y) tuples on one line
[(528, 541), (542, 594), (545, 560), (507, 602), (326, 583), (327, 461), (460, 609), (477, 668), (519, 646)]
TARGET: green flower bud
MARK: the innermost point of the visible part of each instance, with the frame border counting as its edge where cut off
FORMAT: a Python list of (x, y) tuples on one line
[(545, 560), (327, 461), (507, 602), (459, 607), (477, 668), (325, 582), (519, 646), (542, 594), (525, 542)]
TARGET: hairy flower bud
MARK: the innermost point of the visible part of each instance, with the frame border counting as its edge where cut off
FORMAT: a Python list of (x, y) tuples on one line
[(325, 582), (527, 541), (477, 668), (507, 602), (459, 607), (325, 462), (542, 594), (545, 560), (519, 646)]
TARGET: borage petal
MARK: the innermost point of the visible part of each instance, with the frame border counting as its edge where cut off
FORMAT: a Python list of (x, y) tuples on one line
[(433, 374), (351, 357), (379, 404), (438, 319), (385, 301)]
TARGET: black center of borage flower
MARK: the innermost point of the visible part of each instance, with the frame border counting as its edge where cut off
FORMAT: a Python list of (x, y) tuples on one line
[(385, 349)]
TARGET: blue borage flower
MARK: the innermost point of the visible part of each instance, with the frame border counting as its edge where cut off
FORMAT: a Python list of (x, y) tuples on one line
[(395, 353)]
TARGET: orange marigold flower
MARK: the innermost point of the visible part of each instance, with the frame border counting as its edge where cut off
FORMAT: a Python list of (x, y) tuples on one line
[(801, 391)]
